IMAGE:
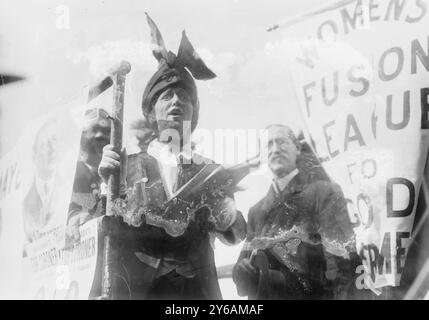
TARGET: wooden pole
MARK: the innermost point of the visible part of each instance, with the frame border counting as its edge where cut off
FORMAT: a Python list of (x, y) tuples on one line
[(116, 77)]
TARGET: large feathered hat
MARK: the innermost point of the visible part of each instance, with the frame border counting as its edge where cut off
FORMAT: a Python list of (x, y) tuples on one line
[(180, 69)]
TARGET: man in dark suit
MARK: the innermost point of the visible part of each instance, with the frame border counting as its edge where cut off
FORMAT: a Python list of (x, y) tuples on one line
[(86, 202), (300, 243), (156, 262)]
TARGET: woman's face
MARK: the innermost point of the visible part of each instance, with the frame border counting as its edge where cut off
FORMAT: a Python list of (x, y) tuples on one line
[(173, 108)]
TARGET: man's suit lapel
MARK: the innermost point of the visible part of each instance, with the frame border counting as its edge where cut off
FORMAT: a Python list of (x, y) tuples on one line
[(274, 199), (295, 186), (270, 200)]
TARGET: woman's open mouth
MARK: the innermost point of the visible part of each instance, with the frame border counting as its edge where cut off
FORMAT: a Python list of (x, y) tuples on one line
[(175, 114)]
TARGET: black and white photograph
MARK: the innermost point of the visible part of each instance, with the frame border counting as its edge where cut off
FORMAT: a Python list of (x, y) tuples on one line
[(214, 150)]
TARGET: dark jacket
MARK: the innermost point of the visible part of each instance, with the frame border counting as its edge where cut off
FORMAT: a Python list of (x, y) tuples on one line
[(306, 269), (143, 248), (86, 192)]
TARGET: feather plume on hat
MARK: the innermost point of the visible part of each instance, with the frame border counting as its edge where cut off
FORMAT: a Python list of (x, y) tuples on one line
[(186, 57), (180, 69)]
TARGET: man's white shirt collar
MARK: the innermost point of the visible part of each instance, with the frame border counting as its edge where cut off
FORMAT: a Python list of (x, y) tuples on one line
[(280, 184)]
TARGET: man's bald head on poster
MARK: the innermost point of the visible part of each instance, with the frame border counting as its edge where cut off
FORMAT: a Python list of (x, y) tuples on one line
[(46, 149)]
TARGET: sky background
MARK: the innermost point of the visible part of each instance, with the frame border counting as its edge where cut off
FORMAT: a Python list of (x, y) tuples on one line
[(250, 91)]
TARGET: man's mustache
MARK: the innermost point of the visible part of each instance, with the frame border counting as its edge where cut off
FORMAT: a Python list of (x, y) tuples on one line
[(278, 156)]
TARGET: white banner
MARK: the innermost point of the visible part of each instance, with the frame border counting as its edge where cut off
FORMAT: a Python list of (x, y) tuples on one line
[(360, 73), (53, 271), (35, 191)]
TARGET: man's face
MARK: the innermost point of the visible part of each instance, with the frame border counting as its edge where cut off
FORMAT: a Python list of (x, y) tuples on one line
[(282, 151), (95, 135), (172, 108)]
